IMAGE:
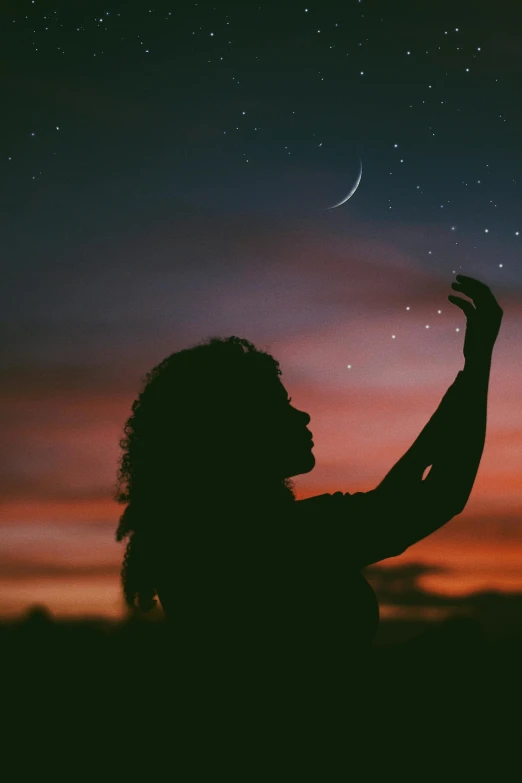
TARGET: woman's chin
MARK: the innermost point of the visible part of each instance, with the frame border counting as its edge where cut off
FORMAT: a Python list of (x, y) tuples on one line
[(305, 464)]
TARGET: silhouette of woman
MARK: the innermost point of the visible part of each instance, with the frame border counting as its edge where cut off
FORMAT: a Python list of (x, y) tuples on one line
[(271, 619)]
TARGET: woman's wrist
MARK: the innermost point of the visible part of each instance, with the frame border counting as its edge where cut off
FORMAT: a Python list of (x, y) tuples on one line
[(478, 365), (476, 375)]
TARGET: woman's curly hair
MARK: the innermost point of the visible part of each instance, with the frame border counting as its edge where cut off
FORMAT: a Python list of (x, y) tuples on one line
[(192, 400)]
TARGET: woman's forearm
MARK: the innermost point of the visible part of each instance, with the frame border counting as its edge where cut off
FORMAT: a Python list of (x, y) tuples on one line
[(455, 467), (452, 442), (408, 471)]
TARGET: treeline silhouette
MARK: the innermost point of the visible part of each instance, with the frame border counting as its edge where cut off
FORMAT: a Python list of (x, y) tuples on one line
[(112, 684)]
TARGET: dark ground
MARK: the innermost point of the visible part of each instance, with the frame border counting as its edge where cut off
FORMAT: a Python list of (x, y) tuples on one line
[(443, 696)]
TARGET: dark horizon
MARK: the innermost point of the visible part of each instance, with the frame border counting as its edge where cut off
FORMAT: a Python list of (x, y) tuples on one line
[(406, 609)]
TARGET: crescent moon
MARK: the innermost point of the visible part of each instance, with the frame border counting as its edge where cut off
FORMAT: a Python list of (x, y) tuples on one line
[(352, 191)]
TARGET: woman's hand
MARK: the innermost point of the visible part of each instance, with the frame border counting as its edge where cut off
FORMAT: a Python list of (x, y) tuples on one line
[(482, 321)]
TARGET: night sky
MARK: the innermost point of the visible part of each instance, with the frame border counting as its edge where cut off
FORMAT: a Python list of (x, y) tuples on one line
[(167, 174)]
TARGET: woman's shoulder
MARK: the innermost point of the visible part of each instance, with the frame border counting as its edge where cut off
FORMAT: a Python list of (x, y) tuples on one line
[(339, 501), (329, 501), (321, 500)]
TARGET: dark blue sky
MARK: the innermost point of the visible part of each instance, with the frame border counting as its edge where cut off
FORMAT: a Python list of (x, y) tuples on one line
[(149, 104)]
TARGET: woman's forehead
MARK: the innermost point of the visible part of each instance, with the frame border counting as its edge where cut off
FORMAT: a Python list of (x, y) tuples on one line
[(271, 387)]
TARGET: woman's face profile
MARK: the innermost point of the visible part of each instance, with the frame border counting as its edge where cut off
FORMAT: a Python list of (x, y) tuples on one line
[(283, 437)]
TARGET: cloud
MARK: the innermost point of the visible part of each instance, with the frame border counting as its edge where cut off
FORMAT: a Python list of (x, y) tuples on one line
[(399, 584), (26, 570), (491, 611)]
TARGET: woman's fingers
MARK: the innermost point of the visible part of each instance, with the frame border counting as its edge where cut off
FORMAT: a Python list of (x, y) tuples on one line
[(466, 306), (475, 289), (483, 317)]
